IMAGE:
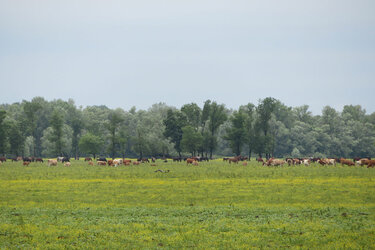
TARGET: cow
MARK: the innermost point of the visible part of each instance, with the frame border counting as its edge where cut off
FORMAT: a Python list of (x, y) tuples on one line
[(26, 163), (346, 162), (189, 161), (60, 158), (306, 162), (39, 160), (110, 162), (260, 159), (2, 159), (65, 159), (27, 159), (136, 162), (289, 161), (101, 159), (233, 159), (143, 160), (52, 162), (101, 163), (91, 163), (117, 162), (127, 162), (371, 163), (88, 159), (275, 162), (195, 163), (179, 159), (67, 164)]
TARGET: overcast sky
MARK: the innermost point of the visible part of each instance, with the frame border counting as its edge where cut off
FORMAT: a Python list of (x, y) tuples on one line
[(137, 53)]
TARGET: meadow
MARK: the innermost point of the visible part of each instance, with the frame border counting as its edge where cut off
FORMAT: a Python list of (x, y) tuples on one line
[(211, 206)]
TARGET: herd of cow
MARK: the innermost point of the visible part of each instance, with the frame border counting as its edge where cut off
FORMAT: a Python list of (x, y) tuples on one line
[(306, 161), (195, 161)]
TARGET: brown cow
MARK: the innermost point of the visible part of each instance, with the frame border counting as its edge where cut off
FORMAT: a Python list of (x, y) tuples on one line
[(371, 163), (67, 164), (234, 160), (189, 160), (346, 162), (26, 163), (101, 163), (91, 163), (127, 162), (110, 163), (88, 159), (136, 162)]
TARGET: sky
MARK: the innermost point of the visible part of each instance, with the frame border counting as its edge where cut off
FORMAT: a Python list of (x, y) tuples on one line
[(137, 53)]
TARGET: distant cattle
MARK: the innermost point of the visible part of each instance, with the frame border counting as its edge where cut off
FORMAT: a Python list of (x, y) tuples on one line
[(233, 159), (101, 163), (189, 161), (259, 159), (26, 163), (306, 162), (52, 162), (101, 159), (2, 159), (274, 162), (88, 159), (136, 162), (110, 162), (195, 163), (91, 163), (371, 163), (60, 158), (346, 162), (143, 160), (67, 164), (127, 162), (117, 162), (65, 159), (39, 160), (29, 159), (179, 159)]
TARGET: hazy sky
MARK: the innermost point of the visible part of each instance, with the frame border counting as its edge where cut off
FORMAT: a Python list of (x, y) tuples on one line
[(137, 53)]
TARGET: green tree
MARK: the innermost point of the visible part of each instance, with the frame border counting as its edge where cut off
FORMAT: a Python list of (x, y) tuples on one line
[(191, 140), (236, 133), (90, 144), (30, 111), (16, 139), (3, 132), (193, 113), (115, 119), (249, 112), (57, 123), (217, 116), (174, 122)]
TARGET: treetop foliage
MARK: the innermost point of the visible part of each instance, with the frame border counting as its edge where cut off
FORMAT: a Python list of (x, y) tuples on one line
[(267, 128)]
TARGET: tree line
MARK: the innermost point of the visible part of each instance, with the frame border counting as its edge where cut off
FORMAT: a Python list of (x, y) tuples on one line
[(44, 128)]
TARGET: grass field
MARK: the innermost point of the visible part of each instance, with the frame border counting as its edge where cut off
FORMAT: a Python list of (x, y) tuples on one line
[(213, 205)]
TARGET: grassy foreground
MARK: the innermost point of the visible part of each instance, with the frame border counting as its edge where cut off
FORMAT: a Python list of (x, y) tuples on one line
[(214, 205)]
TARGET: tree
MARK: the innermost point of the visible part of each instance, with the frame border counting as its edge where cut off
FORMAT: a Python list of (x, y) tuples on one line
[(174, 122), (115, 119), (236, 133), (3, 131), (249, 112), (217, 116), (90, 144), (30, 110), (57, 123), (16, 139), (264, 111), (193, 113), (191, 140), (75, 120)]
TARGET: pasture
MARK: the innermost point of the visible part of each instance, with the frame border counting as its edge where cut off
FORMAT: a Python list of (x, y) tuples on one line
[(213, 205)]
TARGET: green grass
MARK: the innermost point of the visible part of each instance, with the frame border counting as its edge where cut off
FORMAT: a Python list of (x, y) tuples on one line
[(213, 205)]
